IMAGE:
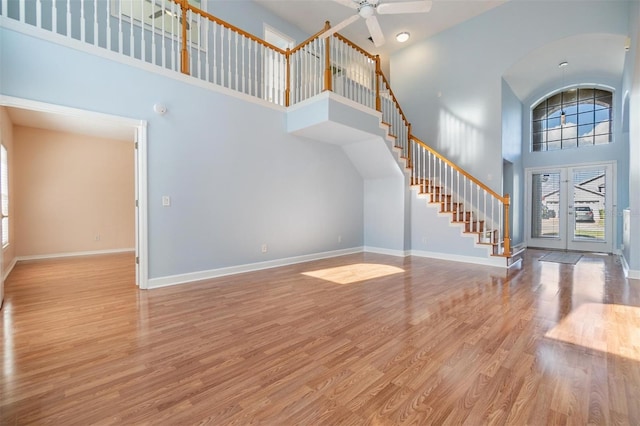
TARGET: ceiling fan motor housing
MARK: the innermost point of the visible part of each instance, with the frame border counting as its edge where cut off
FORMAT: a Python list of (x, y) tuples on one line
[(366, 10)]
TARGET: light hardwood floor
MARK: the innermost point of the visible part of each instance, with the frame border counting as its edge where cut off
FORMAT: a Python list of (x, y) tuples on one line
[(402, 341)]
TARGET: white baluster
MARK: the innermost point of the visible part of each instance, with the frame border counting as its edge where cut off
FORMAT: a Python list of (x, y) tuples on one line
[(38, 13), (229, 80), (120, 35), (485, 208), (477, 203), (131, 46), (143, 44), (243, 71), (108, 18), (5, 5), (54, 14), (153, 34), (82, 23), (214, 53), (207, 51), (199, 49), (23, 13), (256, 73), (95, 22), (175, 36), (236, 61), (222, 55)]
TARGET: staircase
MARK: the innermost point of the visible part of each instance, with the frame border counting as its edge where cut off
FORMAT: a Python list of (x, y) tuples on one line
[(210, 49)]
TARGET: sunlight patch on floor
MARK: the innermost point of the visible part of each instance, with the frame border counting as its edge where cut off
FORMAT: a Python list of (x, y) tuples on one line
[(354, 273), (613, 329)]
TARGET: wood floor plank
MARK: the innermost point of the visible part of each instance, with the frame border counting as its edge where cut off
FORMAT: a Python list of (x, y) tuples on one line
[(431, 342)]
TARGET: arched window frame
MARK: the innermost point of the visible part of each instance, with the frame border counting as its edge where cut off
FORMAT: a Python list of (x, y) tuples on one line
[(588, 118)]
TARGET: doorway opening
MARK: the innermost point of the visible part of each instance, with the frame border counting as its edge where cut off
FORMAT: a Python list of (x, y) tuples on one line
[(80, 123)]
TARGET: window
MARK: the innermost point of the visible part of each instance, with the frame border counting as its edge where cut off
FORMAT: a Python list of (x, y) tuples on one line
[(4, 184), (574, 118)]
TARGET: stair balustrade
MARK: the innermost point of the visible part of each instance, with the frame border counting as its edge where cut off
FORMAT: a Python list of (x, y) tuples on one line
[(176, 35)]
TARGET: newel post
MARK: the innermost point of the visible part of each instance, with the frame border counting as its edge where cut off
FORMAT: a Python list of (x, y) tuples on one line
[(378, 76), (507, 240), (327, 60), (184, 52)]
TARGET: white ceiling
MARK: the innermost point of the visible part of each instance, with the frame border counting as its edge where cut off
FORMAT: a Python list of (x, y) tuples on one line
[(310, 16), (590, 54), (88, 126)]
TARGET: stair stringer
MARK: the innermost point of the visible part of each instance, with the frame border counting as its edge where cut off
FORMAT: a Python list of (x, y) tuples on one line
[(443, 230)]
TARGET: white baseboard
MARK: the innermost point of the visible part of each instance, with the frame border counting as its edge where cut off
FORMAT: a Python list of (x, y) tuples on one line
[(73, 254), (496, 261), (631, 274), (251, 267), (388, 252), (10, 268)]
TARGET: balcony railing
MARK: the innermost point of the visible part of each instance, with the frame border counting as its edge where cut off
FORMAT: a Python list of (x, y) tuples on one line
[(176, 35)]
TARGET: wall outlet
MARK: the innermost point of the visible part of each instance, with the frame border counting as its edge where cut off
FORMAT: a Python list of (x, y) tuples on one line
[(264, 247), (166, 201), (339, 238)]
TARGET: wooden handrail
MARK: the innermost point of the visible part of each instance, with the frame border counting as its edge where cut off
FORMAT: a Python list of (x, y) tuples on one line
[(185, 6), (393, 97), (310, 39), (230, 26), (459, 169), (354, 46)]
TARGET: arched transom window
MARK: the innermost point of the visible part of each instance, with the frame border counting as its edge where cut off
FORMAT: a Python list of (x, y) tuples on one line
[(574, 118)]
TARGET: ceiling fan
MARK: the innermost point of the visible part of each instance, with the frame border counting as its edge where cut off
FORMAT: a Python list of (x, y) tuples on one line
[(367, 9)]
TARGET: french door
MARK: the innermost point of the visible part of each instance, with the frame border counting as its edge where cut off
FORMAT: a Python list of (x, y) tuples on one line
[(570, 208)]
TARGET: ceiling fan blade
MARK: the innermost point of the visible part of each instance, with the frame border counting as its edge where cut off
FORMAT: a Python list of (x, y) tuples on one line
[(349, 3), (404, 7), (375, 31), (331, 31)]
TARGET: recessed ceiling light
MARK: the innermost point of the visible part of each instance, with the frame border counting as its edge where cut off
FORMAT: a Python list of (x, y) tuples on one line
[(402, 37)]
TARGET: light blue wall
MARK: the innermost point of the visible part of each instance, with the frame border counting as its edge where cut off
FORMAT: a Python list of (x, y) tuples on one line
[(384, 213), (631, 130), (450, 85), (235, 177), (617, 151), (451, 88), (513, 180), (243, 14)]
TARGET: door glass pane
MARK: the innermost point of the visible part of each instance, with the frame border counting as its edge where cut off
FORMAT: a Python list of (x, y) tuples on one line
[(545, 198), (589, 192)]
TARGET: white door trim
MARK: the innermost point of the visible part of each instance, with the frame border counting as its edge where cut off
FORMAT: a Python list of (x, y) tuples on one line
[(139, 128), (614, 196)]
